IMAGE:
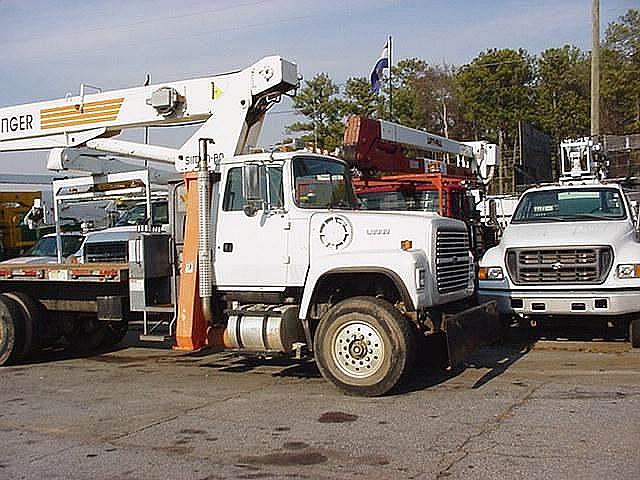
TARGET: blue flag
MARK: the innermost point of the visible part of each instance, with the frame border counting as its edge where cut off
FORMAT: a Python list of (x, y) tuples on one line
[(380, 65)]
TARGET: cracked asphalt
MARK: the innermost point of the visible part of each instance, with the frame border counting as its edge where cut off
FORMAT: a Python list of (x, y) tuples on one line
[(528, 409)]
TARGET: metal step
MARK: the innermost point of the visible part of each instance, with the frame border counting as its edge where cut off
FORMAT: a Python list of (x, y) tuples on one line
[(154, 338), (159, 309)]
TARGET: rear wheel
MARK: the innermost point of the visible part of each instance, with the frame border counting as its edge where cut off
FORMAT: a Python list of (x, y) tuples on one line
[(32, 314), (634, 332), (364, 346), (12, 331)]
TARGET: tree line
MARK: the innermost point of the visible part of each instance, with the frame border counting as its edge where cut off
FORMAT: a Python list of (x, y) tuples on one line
[(489, 96)]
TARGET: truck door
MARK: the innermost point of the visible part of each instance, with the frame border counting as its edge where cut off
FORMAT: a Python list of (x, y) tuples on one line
[(251, 251)]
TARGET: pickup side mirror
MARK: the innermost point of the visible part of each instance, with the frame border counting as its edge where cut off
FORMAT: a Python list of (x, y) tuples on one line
[(251, 188)]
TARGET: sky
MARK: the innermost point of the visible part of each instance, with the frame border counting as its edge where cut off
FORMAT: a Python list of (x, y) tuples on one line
[(50, 48)]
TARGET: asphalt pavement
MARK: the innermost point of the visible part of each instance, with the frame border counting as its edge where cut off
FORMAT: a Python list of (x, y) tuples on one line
[(532, 408)]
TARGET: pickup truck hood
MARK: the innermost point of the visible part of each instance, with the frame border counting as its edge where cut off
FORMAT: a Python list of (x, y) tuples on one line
[(566, 233), (113, 234), (30, 260)]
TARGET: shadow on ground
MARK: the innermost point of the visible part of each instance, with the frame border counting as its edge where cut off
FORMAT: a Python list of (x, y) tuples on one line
[(430, 368)]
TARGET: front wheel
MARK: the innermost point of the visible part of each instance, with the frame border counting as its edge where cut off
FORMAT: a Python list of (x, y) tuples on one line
[(364, 346)]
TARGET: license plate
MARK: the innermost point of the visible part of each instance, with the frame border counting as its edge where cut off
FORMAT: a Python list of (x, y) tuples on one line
[(58, 275)]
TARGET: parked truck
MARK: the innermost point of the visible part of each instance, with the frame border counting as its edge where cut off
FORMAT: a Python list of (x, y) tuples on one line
[(267, 252), (571, 249)]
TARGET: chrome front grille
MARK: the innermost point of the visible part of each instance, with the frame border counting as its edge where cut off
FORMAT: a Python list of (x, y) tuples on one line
[(559, 265), (453, 266), (106, 252)]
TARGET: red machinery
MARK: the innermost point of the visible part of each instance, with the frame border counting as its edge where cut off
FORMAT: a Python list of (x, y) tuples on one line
[(401, 168)]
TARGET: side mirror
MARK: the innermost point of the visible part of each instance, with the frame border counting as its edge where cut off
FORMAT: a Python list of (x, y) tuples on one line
[(493, 211), (251, 188)]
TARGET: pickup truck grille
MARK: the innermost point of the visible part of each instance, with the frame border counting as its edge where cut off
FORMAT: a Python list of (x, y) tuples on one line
[(452, 260), (115, 252), (559, 265)]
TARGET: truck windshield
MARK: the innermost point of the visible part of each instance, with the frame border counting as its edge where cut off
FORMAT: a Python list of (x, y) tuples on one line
[(322, 183), (566, 205)]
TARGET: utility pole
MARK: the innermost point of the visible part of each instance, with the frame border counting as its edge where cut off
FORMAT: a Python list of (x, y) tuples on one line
[(595, 68)]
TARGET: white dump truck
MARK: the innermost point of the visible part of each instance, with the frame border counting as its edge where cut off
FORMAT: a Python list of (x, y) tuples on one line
[(267, 253), (570, 249)]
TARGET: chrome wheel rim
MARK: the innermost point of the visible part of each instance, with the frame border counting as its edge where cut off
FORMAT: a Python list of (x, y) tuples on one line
[(358, 349)]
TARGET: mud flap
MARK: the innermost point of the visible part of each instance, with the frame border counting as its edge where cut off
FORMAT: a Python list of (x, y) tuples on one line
[(469, 329)]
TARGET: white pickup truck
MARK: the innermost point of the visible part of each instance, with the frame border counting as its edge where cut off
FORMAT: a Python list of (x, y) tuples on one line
[(569, 250)]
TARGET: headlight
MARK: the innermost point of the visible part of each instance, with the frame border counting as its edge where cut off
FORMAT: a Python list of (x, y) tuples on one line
[(420, 278), (628, 270), (490, 273)]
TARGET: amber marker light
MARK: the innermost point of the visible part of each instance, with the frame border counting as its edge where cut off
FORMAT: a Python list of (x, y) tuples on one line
[(406, 244)]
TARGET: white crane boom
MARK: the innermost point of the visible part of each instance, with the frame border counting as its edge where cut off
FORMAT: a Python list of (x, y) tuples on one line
[(232, 107)]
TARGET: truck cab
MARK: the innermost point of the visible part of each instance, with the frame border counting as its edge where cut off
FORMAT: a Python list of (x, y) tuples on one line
[(570, 249), (306, 217)]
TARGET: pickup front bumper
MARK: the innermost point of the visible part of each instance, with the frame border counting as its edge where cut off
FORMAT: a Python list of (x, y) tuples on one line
[(570, 302)]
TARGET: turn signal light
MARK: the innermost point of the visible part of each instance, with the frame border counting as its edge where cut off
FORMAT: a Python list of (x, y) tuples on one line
[(406, 244), (490, 273), (629, 270)]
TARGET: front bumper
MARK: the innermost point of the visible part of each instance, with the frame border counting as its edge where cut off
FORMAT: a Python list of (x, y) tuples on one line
[(576, 302)]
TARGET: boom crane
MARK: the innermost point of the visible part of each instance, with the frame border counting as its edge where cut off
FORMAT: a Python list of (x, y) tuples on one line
[(272, 253), (232, 107), (402, 168)]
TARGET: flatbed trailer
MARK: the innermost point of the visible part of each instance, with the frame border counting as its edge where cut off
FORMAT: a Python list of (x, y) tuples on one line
[(87, 304)]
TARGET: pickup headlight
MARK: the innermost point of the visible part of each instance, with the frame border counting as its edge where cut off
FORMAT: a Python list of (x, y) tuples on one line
[(628, 270), (490, 273), (420, 278)]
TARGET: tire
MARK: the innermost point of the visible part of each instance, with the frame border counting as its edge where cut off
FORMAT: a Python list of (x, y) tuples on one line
[(85, 334), (32, 313), (12, 331), (634, 332), (116, 331), (364, 346)]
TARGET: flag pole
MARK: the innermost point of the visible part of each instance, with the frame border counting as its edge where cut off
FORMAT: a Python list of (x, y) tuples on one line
[(390, 84)]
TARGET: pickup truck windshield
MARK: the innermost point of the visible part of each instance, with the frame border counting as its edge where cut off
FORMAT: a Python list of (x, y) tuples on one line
[(137, 215), (322, 183), (46, 246), (566, 205)]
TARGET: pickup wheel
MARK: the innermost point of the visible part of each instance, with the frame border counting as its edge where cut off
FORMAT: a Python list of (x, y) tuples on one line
[(364, 346), (84, 333), (116, 331), (12, 332), (634, 332)]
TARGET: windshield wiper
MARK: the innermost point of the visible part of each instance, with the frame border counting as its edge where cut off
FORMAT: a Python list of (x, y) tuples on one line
[(542, 219), (589, 216)]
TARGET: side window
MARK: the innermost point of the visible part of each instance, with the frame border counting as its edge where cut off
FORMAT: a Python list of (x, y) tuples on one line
[(233, 198), (276, 192)]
